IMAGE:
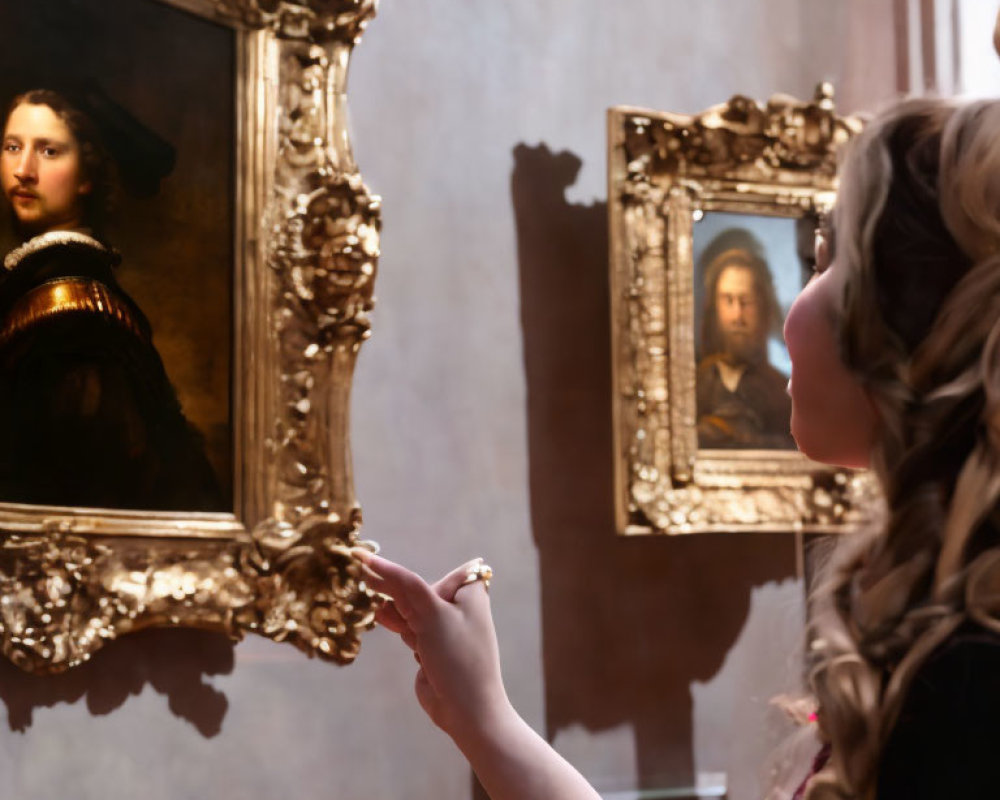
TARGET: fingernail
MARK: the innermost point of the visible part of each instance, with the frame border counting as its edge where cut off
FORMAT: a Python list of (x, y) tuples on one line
[(362, 554)]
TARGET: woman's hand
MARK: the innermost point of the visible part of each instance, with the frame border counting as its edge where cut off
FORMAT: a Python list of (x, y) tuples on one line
[(450, 630), (449, 627)]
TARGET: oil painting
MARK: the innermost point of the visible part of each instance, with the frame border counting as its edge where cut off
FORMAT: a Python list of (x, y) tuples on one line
[(116, 303), (748, 269), (190, 257), (712, 219)]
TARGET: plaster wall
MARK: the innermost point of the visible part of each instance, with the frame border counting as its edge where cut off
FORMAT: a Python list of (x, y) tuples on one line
[(481, 426)]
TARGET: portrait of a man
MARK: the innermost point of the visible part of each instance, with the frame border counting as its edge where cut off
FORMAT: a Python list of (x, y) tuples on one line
[(116, 243), (741, 397)]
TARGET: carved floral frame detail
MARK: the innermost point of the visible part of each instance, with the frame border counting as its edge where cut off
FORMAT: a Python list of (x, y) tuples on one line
[(774, 159), (307, 246)]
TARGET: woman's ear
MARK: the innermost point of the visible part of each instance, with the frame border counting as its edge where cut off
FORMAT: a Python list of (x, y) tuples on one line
[(85, 188)]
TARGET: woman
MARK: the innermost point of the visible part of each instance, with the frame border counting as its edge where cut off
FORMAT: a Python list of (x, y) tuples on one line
[(87, 414), (895, 350)]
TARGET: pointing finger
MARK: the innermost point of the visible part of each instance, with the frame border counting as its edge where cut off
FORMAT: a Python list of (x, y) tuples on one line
[(410, 593)]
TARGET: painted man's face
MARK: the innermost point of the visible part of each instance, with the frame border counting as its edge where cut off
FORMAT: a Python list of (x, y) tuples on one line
[(740, 316), (40, 170)]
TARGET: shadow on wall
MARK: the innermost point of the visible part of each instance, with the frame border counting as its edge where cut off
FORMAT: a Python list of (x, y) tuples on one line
[(627, 623), (172, 662)]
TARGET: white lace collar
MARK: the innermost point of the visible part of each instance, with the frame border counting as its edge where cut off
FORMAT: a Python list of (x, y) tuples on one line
[(49, 239)]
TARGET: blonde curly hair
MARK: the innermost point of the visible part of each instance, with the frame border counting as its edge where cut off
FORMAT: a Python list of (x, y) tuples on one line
[(917, 224)]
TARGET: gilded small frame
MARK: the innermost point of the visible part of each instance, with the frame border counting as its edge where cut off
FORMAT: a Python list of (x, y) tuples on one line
[(307, 239), (760, 161)]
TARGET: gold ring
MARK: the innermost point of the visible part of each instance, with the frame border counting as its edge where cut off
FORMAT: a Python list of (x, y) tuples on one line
[(480, 571)]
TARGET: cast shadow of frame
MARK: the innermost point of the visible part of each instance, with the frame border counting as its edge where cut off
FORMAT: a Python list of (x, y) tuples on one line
[(627, 623), (174, 662)]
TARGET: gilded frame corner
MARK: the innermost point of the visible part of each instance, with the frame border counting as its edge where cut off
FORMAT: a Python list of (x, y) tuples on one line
[(307, 246), (771, 159)]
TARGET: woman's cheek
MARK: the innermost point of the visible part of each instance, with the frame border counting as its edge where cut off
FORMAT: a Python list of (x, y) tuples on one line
[(833, 418)]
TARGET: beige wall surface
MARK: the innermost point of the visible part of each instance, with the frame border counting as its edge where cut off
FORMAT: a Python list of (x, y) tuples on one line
[(481, 426)]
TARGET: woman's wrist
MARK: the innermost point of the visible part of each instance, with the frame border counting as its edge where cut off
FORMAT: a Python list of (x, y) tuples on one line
[(490, 721)]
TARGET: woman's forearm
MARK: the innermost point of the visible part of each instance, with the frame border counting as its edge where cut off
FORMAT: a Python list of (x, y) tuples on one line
[(513, 762)]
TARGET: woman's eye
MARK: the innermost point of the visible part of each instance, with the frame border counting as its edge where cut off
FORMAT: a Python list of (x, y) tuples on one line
[(11, 147), (50, 152)]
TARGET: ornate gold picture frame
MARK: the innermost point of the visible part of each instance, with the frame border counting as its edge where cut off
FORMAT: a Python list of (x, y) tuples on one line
[(306, 249), (757, 164)]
